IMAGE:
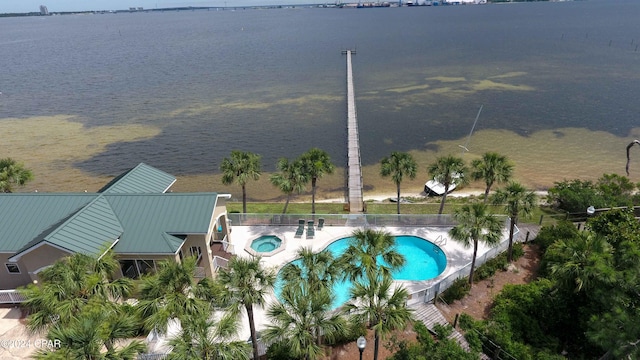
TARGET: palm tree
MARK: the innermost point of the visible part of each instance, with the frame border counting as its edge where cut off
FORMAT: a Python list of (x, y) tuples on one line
[(69, 285), (290, 178), (492, 168), (383, 309), (582, 261), (98, 325), (247, 284), (448, 170), (316, 163), (372, 299), (312, 273), (209, 339), (301, 317), (366, 247), (519, 201), (172, 294), (398, 165), (78, 304), (319, 270), (241, 166), (13, 173), (475, 224)]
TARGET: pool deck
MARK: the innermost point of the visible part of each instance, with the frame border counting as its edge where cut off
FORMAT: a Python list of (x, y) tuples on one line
[(457, 255)]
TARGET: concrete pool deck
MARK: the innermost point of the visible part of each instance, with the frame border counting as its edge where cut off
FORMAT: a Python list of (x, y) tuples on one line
[(457, 256)]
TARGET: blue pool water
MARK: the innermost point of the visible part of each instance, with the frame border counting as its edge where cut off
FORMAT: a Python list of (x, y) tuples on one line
[(266, 243), (424, 261)]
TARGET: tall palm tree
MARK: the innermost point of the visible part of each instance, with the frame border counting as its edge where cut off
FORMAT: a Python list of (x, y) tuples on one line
[(372, 299), (398, 165), (209, 339), (519, 202), (241, 167), (291, 178), (448, 170), (475, 224), (366, 247), (383, 309), (301, 317), (13, 173), (172, 294), (247, 284), (316, 163), (319, 270), (492, 168)]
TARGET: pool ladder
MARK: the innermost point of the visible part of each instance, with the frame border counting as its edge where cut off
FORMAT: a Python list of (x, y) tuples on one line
[(440, 240)]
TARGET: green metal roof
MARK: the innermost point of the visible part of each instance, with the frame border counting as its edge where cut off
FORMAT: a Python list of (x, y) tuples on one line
[(141, 179), (26, 218), (148, 219), (137, 223)]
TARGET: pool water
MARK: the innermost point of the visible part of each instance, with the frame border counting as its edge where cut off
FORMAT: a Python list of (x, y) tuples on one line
[(424, 261), (266, 243)]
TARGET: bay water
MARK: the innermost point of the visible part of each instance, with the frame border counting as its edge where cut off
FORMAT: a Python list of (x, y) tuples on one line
[(84, 97)]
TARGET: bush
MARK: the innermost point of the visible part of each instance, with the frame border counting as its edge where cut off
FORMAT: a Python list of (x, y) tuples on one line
[(459, 289), (353, 332), (489, 268), (279, 351), (549, 234)]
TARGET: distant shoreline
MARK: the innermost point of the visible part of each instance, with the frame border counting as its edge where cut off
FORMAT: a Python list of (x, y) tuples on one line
[(262, 7)]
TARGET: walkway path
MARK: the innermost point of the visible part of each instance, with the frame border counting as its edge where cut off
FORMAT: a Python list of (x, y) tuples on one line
[(430, 315), (356, 203)]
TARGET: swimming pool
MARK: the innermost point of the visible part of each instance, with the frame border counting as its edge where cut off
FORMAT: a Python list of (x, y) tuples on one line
[(424, 261)]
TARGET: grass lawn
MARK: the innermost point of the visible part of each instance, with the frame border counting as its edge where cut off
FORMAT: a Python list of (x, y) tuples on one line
[(416, 206)]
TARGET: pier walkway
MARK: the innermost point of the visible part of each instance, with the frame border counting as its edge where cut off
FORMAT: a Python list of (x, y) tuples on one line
[(356, 201)]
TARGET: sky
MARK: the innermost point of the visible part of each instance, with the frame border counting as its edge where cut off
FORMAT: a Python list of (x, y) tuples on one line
[(22, 6)]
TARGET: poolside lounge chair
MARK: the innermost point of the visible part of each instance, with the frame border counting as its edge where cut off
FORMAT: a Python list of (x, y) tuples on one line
[(311, 231), (300, 229), (320, 224)]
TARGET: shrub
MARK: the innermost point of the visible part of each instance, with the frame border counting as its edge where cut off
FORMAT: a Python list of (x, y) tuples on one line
[(489, 268), (459, 289), (549, 234), (353, 332), (279, 351)]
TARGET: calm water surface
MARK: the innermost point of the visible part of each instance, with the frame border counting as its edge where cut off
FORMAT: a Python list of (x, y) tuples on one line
[(272, 81)]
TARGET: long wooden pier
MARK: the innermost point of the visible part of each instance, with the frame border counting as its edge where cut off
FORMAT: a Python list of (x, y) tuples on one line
[(356, 201)]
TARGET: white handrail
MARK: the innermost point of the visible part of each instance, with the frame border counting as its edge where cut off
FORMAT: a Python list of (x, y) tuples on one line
[(11, 297)]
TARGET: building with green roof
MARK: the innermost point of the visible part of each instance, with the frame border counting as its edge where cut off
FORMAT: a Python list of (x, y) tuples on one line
[(134, 215)]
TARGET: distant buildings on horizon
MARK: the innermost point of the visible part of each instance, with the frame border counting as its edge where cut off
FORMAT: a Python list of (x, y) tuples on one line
[(44, 10)]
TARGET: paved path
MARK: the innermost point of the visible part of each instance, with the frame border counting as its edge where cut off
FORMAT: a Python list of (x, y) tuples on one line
[(356, 203), (15, 341)]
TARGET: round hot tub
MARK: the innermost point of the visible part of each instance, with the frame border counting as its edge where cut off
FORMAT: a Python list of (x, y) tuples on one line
[(265, 245)]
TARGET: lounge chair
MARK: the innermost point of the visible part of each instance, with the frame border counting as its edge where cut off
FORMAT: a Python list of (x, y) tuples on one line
[(300, 229), (320, 224), (311, 231)]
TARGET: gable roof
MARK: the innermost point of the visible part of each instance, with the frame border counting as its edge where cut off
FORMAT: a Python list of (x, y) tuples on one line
[(148, 222)]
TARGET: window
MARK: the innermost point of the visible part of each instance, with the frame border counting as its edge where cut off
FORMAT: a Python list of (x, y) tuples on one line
[(12, 268), (133, 269), (146, 266), (129, 269)]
